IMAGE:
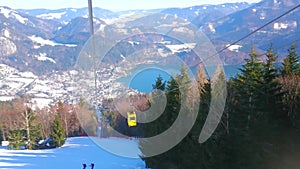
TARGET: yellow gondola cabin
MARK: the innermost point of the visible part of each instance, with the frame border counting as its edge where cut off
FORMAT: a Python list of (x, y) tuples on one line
[(131, 119)]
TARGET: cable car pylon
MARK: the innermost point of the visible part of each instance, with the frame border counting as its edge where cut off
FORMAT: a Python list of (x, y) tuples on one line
[(97, 105)]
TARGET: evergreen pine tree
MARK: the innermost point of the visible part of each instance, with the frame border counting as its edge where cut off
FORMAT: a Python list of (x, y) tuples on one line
[(173, 98), (290, 85), (178, 93), (16, 139), (246, 112), (249, 83), (58, 133), (267, 125), (255, 113), (159, 84), (270, 92), (291, 64), (158, 126)]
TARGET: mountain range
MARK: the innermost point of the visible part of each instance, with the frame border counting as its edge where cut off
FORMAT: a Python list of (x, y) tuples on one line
[(42, 40), (282, 32)]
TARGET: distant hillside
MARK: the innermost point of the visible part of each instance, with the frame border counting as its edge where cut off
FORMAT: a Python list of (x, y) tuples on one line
[(281, 33), (67, 14)]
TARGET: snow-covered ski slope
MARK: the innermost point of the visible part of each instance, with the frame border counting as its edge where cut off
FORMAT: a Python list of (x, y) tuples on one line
[(72, 155)]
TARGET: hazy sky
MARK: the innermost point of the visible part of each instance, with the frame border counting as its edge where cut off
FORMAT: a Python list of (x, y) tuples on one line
[(115, 5)]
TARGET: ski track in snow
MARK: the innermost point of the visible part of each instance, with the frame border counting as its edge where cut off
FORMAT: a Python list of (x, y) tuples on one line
[(72, 155)]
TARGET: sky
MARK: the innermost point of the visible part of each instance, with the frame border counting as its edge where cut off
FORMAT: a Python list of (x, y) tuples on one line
[(114, 5)]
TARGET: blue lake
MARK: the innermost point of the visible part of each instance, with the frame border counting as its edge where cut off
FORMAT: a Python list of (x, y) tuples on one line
[(143, 80)]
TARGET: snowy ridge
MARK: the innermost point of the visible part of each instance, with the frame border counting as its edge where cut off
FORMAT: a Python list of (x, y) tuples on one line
[(43, 57), (181, 47), (42, 42), (234, 48), (51, 15), (8, 13)]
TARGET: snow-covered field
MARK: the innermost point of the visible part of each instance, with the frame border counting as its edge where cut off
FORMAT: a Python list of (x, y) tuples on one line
[(72, 155)]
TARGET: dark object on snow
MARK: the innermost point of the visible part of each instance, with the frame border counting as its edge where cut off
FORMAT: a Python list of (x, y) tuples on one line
[(84, 166), (92, 166), (46, 144)]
